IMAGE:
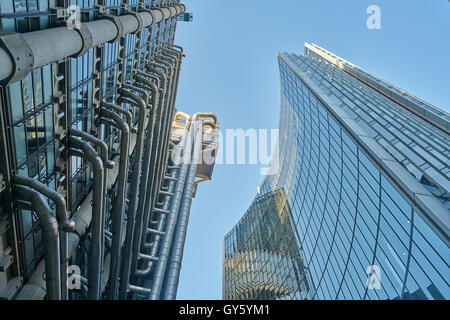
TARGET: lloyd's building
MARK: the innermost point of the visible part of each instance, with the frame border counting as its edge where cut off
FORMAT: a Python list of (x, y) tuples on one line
[(359, 205), (92, 204)]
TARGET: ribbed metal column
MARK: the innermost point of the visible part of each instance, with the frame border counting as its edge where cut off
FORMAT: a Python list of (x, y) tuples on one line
[(171, 279), (191, 169)]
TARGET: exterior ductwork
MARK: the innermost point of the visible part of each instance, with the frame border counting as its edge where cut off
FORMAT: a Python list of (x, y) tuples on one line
[(152, 185), (119, 203), (145, 183), (173, 11), (106, 165), (166, 13), (168, 114), (135, 182), (160, 225), (46, 46), (111, 220), (182, 151), (171, 278), (50, 234), (126, 113), (95, 256), (65, 225), (172, 217), (157, 147)]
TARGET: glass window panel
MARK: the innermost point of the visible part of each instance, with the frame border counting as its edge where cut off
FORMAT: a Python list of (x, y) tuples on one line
[(15, 94), (21, 149), (47, 83), (49, 124)]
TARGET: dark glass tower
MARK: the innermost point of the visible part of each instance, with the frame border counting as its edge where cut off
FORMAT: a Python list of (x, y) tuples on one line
[(364, 167), (88, 119)]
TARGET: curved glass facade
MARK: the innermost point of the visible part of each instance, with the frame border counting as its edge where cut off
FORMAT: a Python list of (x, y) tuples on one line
[(366, 182)]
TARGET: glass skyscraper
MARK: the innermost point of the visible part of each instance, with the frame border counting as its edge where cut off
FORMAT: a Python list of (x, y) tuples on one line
[(364, 170)]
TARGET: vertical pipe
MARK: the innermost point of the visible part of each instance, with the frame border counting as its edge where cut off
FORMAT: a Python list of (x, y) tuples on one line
[(172, 218), (176, 253), (156, 154), (50, 235), (119, 202), (107, 164), (63, 221), (155, 163), (182, 147), (126, 113), (95, 255), (163, 136), (135, 178), (144, 187)]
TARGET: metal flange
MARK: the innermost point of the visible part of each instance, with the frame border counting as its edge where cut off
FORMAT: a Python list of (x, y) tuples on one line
[(166, 12), (150, 12), (173, 11), (20, 53), (119, 26), (86, 36), (139, 20)]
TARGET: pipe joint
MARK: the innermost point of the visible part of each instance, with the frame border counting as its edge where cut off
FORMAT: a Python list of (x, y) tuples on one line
[(165, 12), (101, 144), (20, 55), (119, 26), (87, 39), (138, 101), (138, 17)]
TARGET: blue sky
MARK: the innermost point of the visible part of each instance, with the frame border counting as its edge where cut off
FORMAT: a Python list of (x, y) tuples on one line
[(231, 70)]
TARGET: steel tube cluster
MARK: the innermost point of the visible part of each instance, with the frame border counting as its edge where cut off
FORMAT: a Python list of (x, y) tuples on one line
[(151, 91), (82, 149), (187, 173), (154, 149), (50, 234), (138, 102), (183, 153), (65, 225), (47, 46), (119, 202)]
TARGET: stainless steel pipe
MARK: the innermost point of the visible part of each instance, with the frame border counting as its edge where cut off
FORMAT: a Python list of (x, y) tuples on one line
[(62, 216), (96, 249), (119, 201), (135, 182), (50, 234)]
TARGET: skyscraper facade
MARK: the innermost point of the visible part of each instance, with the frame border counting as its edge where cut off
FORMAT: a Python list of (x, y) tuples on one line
[(90, 194), (364, 168)]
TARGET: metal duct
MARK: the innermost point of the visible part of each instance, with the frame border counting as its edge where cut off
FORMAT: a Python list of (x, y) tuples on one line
[(172, 218), (126, 113), (106, 165), (135, 179), (95, 255), (167, 117), (50, 45), (171, 278), (163, 212), (145, 186), (119, 201), (160, 226), (157, 148), (50, 234), (65, 225), (181, 151), (166, 13)]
